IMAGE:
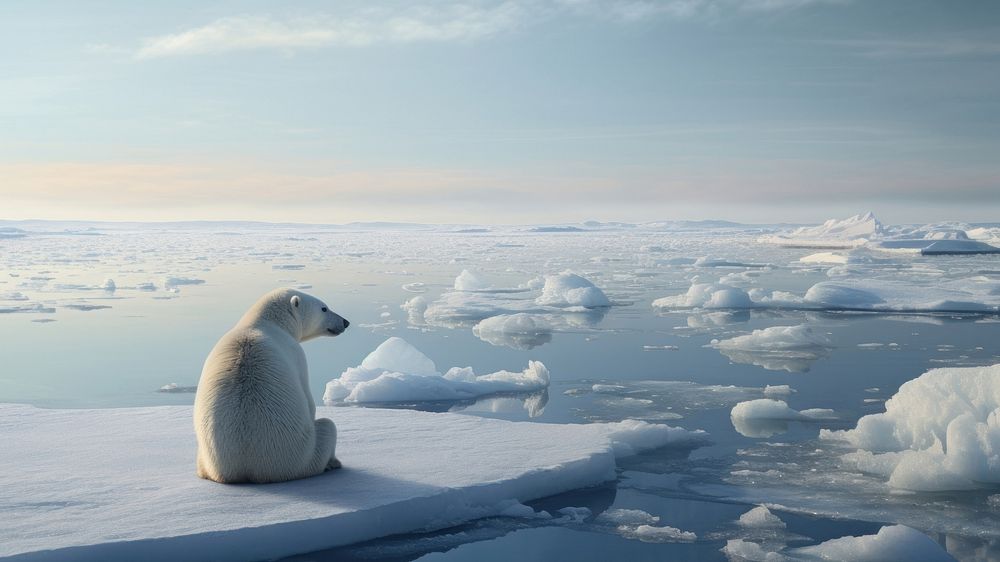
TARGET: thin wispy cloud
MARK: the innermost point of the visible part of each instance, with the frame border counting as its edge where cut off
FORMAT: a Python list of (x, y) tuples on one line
[(369, 27), (426, 24), (924, 48)]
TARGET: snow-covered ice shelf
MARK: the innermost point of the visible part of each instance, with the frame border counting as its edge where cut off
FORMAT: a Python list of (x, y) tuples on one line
[(119, 484)]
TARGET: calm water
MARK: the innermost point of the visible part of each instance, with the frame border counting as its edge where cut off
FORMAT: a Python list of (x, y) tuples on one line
[(120, 356)]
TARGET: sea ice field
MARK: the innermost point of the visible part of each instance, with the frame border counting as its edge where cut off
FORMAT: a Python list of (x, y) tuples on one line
[(597, 391)]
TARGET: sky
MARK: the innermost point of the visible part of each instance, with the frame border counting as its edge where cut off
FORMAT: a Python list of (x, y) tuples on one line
[(519, 111)]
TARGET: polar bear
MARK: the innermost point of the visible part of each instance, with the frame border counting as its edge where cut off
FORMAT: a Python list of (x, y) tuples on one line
[(254, 416)]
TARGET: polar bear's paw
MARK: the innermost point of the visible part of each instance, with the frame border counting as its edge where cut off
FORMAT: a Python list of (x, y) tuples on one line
[(332, 464)]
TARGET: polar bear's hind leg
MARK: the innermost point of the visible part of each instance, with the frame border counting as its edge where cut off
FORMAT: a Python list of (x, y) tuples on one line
[(325, 458)]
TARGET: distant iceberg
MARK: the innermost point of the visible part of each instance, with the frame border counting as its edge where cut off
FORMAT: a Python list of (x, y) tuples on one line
[(835, 233)]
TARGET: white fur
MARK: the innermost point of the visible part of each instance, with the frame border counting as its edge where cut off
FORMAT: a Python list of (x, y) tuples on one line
[(254, 416)]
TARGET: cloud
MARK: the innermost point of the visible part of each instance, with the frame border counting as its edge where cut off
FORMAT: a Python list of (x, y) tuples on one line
[(418, 24), (445, 22)]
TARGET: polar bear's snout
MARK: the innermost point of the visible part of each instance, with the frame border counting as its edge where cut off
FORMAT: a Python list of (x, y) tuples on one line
[(339, 325)]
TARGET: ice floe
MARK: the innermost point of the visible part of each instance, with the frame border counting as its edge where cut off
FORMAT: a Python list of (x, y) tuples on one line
[(940, 431), (778, 348), (398, 372), (403, 472)]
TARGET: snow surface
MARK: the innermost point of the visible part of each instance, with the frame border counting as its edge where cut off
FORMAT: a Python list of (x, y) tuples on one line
[(778, 348), (398, 372), (940, 431), (119, 484)]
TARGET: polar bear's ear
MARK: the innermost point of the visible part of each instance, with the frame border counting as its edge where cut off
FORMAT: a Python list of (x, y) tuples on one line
[(295, 301)]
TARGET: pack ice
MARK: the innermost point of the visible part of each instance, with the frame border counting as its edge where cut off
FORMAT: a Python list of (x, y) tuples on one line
[(119, 484)]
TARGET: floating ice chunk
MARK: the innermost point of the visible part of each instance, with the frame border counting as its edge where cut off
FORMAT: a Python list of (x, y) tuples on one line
[(576, 514), (398, 372), (627, 517), (778, 389), (469, 281), (109, 285), (172, 283), (760, 517), (37, 307), (396, 354), (707, 295), (891, 543), (404, 472), (940, 431), (517, 331), (174, 388), (765, 417), (824, 257), (650, 533), (570, 289), (778, 348), (739, 550), (415, 309)]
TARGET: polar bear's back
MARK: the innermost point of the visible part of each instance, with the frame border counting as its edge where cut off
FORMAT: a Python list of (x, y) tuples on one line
[(250, 408)]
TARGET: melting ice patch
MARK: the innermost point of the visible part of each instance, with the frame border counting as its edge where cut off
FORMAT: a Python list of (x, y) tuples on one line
[(779, 348), (398, 372), (940, 431)]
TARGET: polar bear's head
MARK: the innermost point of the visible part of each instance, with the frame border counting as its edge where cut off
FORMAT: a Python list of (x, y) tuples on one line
[(314, 317)]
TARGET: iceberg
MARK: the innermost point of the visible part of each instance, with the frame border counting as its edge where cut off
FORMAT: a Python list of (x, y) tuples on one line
[(398, 372), (119, 484), (939, 432)]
